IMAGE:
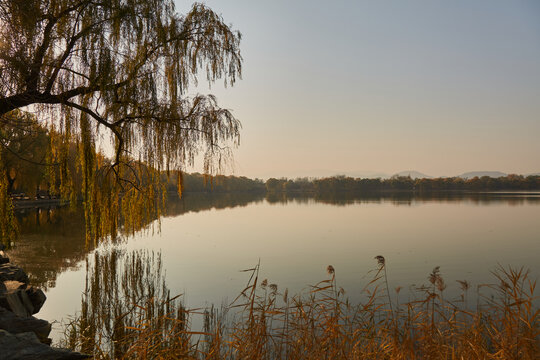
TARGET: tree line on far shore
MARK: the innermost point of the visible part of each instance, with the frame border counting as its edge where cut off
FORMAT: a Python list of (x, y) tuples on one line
[(196, 182), (338, 184), (30, 178), (28, 168)]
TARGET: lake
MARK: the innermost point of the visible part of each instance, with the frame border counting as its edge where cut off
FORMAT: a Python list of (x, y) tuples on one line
[(205, 240)]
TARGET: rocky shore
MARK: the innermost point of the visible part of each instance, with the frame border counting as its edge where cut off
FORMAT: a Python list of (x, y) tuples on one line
[(23, 336)]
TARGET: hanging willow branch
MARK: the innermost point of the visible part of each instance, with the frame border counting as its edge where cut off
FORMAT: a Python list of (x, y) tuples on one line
[(132, 63), (122, 68)]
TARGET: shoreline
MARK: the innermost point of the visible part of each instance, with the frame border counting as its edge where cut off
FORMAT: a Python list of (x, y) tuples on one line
[(21, 334), (43, 203)]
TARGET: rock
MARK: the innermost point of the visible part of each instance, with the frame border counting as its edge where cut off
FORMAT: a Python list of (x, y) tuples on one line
[(37, 297), (10, 272), (22, 336), (25, 346), (13, 285), (15, 299), (16, 324), (4, 259), (23, 295), (13, 302), (28, 336)]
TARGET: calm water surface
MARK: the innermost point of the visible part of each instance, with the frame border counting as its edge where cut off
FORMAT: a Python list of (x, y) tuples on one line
[(205, 240)]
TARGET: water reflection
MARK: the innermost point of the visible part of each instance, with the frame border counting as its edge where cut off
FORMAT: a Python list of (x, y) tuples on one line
[(295, 237), (408, 198), (125, 303), (195, 202), (53, 239)]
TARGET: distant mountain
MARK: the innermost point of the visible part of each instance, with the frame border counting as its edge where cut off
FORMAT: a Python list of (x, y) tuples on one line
[(322, 173), (413, 174), (493, 174), (369, 175)]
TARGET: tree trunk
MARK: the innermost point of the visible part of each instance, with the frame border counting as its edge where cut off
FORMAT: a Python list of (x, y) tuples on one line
[(11, 182)]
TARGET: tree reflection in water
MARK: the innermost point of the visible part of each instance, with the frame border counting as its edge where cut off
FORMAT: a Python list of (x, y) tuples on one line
[(127, 308), (53, 240)]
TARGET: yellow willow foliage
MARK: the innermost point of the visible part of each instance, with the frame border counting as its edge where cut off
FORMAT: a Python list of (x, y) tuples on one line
[(119, 70), (8, 225), (180, 183)]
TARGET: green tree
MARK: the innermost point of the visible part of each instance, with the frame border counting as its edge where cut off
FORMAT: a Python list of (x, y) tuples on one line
[(120, 68)]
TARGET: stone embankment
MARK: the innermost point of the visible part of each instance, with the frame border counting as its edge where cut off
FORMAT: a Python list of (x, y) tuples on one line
[(22, 336)]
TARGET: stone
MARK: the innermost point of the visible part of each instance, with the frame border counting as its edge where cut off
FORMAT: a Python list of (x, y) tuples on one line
[(28, 336), (25, 346), (4, 259), (37, 297), (13, 303), (26, 301), (13, 285), (11, 272), (15, 299), (23, 336), (16, 324)]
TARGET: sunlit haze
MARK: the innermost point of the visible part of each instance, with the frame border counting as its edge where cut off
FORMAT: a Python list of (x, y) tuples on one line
[(367, 87)]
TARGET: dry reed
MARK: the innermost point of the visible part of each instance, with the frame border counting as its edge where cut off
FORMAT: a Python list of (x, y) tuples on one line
[(322, 324)]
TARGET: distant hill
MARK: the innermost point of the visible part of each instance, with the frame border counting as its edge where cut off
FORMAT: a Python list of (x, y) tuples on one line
[(413, 174), (369, 175), (325, 173), (472, 174)]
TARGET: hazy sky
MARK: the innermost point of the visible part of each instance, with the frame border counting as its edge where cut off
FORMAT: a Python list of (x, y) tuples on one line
[(441, 87)]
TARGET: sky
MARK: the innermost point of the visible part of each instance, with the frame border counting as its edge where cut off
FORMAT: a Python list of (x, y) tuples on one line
[(368, 87)]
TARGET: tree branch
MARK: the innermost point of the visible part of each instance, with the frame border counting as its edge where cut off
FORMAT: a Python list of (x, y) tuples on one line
[(33, 78), (105, 123), (25, 159)]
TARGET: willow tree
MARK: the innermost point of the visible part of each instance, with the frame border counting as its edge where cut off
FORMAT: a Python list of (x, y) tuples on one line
[(120, 70), (23, 151)]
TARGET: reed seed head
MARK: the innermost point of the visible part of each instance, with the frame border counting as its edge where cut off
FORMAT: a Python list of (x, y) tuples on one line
[(440, 284), (464, 284), (435, 274), (330, 269), (380, 260)]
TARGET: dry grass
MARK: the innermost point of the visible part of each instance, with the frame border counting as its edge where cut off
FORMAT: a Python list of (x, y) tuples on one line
[(267, 324)]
